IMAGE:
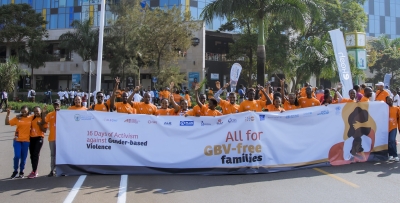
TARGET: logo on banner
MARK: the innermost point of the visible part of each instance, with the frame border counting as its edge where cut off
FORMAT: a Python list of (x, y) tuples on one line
[(135, 121), (307, 114), (186, 123), (219, 122), (110, 120), (151, 122), (232, 120), (292, 116), (203, 124), (262, 117), (324, 112), (249, 118), (167, 123), (337, 109), (78, 117)]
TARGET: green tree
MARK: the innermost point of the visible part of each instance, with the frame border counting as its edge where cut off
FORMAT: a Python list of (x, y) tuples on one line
[(388, 61), (34, 54), (10, 73), (83, 40), (167, 75), (295, 11), (121, 43), (19, 23), (162, 33)]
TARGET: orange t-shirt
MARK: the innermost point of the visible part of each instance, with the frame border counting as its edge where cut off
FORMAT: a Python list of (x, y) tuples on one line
[(303, 92), (166, 112), (81, 108), (345, 100), (381, 96), (364, 99), (228, 108), (187, 97), (143, 108), (23, 127), (255, 105), (393, 117), (199, 112), (263, 98), (306, 102), (272, 108), (165, 94), (210, 112), (177, 98), (35, 129), (210, 94), (362, 91), (287, 106), (100, 107), (118, 93), (51, 121), (124, 108)]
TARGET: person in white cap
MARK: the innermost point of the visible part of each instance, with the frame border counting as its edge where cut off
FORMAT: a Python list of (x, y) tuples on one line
[(381, 94)]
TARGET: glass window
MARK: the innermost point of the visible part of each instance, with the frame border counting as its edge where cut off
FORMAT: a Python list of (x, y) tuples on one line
[(387, 25), (70, 19), (371, 25), (77, 16), (377, 25), (381, 8), (53, 21), (173, 2), (163, 3), (70, 3), (397, 10), (62, 3), (61, 10), (61, 21), (17, 1), (193, 12), (39, 4), (201, 4), (393, 27)]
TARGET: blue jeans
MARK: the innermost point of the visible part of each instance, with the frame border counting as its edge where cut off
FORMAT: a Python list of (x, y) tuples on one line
[(20, 153), (392, 143)]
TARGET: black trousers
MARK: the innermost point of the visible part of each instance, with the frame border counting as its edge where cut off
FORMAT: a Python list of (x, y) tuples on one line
[(5, 102), (34, 150)]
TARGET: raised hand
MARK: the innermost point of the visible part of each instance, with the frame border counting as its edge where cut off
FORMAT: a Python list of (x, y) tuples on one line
[(197, 87), (117, 80), (282, 81), (226, 85), (218, 85), (45, 108), (8, 111)]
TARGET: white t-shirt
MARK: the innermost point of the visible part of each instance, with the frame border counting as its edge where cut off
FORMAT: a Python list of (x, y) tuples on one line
[(396, 103), (137, 97), (372, 98), (66, 94), (71, 94), (61, 95)]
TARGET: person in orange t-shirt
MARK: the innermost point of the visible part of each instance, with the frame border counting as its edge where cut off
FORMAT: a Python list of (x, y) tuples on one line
[(393, 124), (352, 94), (308, 101), (118, 95), (38, 128), (78, 104), (228, 107), (303, 92), (177, 97), (362, 89), (21, 139), (381, 94), (367, 95), (51, 121), (206, 110), (187, 98), (126, 105), (100, 106), (165, 111), (252, 105), (290, 102), (276, 106), (197, 110), (145, 107)]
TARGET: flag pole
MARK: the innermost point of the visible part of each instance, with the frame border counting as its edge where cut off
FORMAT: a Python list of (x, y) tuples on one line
[(100, 50)]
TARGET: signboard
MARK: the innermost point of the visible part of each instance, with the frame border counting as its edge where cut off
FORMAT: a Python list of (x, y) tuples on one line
[(194, 78), (242, 143), (130, 81), (154, 79), (214, 76), (76, 81), (27, 82)]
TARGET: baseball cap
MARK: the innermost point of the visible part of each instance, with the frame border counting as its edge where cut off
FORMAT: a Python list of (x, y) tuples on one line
[(380, 84), (57, 101)]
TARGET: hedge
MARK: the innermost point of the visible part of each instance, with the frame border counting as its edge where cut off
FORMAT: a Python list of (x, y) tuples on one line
[(17, 106)]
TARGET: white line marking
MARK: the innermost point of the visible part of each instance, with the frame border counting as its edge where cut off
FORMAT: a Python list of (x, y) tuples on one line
[(75, 189), (122, 189)]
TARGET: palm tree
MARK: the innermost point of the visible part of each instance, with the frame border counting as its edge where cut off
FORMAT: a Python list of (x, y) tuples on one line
[(297, 11), (384, 42), (83, 40), (10, 74)]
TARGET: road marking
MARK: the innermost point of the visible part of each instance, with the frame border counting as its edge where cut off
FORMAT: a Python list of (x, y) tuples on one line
[(337, 178), (122, 189), (75, 189)]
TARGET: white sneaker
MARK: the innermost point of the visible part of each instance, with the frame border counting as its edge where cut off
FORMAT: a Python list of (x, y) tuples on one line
[(391, 158), (396, 159)]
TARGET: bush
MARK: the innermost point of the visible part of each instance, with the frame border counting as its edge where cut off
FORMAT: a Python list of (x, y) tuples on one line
[(17, 106)]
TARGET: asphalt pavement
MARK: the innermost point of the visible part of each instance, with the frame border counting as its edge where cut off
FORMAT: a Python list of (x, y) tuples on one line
[(361, 182)]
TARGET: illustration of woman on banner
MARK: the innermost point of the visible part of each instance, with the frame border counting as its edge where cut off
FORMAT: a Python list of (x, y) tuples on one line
[(359, 136)]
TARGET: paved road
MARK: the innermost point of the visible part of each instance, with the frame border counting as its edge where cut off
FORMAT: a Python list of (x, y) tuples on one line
[(362, 182)]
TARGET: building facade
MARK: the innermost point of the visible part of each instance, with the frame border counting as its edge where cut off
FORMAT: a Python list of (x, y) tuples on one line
[(59, 14), (383, 18)]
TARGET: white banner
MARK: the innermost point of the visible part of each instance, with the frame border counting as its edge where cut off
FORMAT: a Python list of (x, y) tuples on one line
[(386, 80), (342, 61), (235, 74), (261, 140)]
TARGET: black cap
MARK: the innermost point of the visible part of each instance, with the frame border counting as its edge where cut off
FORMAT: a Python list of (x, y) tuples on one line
[(57, 101)]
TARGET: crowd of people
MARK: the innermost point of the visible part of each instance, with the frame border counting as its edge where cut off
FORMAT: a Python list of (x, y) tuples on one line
[(30, 129)]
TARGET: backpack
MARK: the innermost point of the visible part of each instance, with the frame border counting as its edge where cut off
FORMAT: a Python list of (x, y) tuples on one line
[(33, 93)]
